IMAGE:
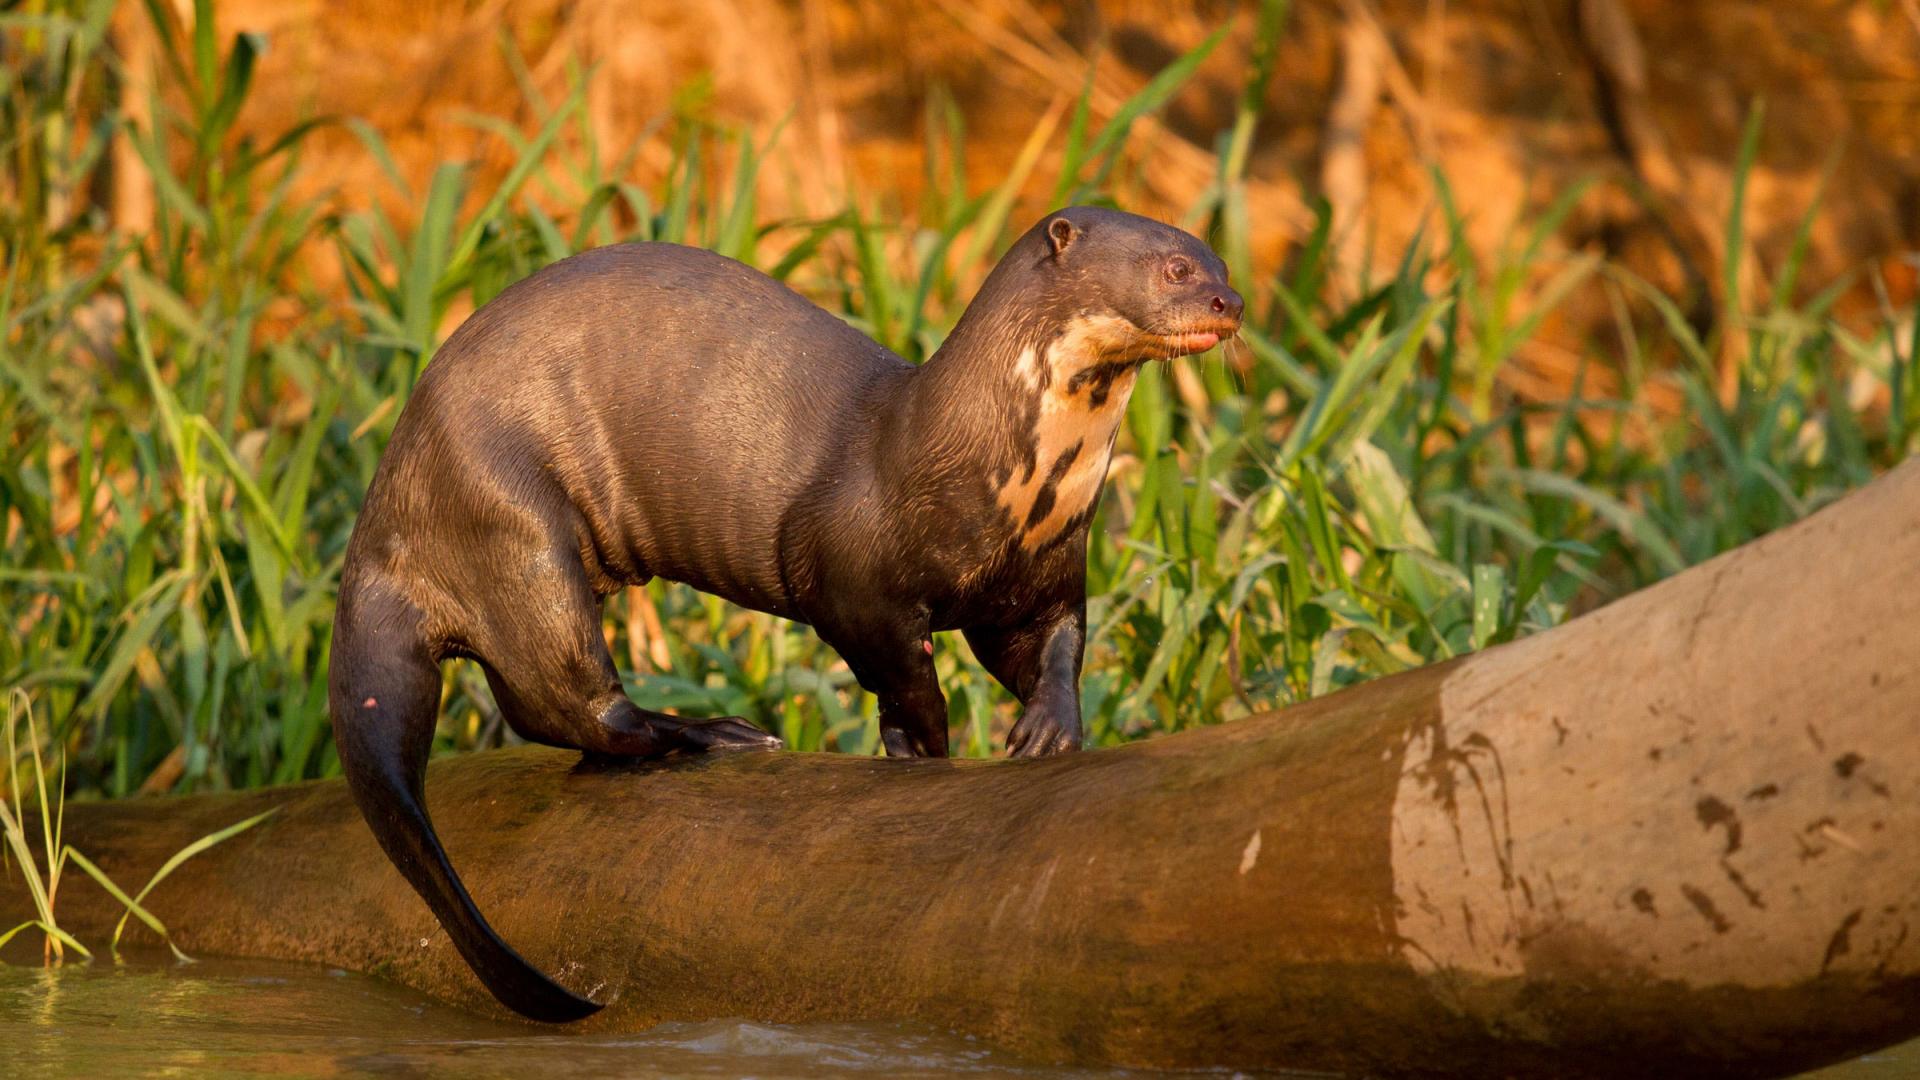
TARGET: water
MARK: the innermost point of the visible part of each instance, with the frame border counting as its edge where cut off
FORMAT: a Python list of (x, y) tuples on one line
[(252, 1018)]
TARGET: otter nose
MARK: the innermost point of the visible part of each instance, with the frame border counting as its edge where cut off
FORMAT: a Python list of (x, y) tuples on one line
[(1228, 303)]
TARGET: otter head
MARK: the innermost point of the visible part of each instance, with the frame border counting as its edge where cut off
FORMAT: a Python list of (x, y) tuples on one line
[(1101, 293), (1132, 289)]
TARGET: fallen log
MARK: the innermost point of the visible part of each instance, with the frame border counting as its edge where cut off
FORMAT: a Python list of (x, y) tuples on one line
[(1676, 836)]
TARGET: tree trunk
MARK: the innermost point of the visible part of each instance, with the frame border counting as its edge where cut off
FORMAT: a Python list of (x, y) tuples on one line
[(1675, 836)]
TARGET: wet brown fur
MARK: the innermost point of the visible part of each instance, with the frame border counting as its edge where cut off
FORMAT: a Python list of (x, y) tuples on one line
[(650, 410)]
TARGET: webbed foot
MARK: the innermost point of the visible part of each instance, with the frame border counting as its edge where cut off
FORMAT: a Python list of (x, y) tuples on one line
[(1044, 728), (720, 734)]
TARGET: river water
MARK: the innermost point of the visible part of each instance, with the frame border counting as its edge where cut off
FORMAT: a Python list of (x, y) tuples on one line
[(258, 1018)]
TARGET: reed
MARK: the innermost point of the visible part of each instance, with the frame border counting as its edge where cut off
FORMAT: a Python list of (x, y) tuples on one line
[(42, 875)]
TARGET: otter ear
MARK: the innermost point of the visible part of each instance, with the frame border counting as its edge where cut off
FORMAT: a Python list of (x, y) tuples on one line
[(1061, 234)]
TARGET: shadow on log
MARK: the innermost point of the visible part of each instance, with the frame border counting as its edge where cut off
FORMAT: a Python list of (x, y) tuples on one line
[(1676, 836)]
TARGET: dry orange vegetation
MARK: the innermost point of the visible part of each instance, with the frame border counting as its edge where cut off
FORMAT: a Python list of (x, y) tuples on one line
[(1512, 102)]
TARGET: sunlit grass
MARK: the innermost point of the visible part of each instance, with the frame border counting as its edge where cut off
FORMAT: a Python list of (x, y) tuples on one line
[(1347, 491), (42, 876)]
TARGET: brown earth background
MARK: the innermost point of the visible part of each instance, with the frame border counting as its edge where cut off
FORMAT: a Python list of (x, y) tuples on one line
[(1512, 102)]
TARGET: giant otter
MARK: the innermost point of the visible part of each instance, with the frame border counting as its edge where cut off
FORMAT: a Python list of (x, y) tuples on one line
[(650, 410)]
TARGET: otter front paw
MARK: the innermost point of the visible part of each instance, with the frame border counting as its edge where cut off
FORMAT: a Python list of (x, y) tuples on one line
[(1045, 728)]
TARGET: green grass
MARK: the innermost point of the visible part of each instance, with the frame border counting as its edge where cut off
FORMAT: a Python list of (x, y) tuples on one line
[(42, 876), (1348, 493)]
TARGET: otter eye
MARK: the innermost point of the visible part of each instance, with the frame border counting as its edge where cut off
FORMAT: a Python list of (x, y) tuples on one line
[(1179, 270)]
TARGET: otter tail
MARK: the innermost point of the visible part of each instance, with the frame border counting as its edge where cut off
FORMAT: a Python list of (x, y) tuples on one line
[(384, 693)]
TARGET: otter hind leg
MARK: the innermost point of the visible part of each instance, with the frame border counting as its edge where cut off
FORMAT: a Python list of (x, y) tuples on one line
[(555, 681)]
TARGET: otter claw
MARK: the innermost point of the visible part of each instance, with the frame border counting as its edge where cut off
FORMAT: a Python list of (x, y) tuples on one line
[(1037, 734), (727, 733)]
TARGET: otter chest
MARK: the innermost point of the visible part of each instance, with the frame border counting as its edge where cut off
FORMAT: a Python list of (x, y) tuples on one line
[(1082, 397)]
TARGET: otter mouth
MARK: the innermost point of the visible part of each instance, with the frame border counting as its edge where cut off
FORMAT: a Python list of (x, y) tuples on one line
[(1185, 343)]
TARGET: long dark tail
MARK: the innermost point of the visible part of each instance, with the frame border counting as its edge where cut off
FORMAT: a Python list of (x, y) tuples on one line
[(384, 693)]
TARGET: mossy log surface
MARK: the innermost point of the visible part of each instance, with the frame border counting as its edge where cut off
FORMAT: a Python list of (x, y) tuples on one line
[(1676, 836)]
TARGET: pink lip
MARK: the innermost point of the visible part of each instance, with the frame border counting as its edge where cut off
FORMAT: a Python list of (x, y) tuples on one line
[(1188, 344), (1169, 346)]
